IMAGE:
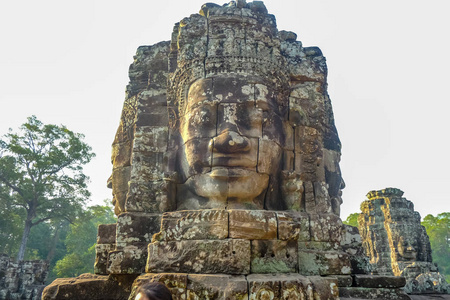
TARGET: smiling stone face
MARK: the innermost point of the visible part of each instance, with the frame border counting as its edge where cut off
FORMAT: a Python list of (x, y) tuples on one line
[(407, 249), (226, 160)]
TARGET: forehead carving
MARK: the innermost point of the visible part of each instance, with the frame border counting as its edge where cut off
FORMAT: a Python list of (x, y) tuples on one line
[(232, 89)]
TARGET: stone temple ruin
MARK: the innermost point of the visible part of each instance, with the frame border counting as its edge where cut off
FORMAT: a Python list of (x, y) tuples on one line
[(226, 178), (396, 243), (22, 280)]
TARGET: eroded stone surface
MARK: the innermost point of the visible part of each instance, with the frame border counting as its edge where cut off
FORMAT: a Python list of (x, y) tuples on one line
[(136, 229), (101, 258), (217, 287), (352, 245), (207, 256), (194, 225), (372, 293), (293, 226), (274, 256), (316, 262), (127, 260), (106, 242), (291, 287), (325, 228), (84, 287), (248, 224), (370, 281), (22, 280)]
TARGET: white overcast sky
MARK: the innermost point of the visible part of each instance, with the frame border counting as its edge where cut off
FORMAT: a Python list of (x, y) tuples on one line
[(67, 63)]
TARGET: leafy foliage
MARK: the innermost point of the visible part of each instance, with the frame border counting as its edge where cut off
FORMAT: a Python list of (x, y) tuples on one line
[(80, 242), (438, 230), (41, 175), (352, 220), (11, 222)]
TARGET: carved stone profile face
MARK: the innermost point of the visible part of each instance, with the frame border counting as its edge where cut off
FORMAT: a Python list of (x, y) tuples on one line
[(226, 161), (407, 249)]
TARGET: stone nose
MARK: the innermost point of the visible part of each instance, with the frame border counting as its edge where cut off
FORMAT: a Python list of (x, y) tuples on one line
[(231, 142)]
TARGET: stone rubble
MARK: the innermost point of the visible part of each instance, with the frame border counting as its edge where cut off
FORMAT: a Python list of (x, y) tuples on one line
[(23, 280)]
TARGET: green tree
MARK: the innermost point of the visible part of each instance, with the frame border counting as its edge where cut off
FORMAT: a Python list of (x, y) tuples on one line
[(41, 165), (352, 220), (438, 230), (10, 222), (80, 242)]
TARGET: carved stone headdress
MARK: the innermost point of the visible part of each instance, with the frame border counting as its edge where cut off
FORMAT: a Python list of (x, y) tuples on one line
[(236, 38)]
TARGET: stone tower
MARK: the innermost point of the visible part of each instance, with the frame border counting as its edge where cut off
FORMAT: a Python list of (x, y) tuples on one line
[(226, 169), (396, 243)]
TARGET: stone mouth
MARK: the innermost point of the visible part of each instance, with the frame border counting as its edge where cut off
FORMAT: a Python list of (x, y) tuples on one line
[(233, 161), (226, 172), (410, 255)]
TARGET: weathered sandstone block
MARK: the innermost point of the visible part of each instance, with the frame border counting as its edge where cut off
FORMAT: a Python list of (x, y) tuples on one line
[(293, 226), (315, 262), (251, 225), (153, 197), (193, 225), (85, 287), (128, 260), (136, 228), (101, 258), (325, 228), (208, 256), (274, 256), (216, 287)]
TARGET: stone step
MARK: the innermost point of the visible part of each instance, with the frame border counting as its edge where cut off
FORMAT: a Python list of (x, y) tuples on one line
[(372, 293)]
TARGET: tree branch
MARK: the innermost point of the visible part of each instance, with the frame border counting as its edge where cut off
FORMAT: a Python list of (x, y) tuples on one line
[(41, 220), (10, 185)]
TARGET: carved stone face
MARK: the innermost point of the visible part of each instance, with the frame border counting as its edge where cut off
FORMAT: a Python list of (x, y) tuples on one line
[(226, 160), (407, 249)]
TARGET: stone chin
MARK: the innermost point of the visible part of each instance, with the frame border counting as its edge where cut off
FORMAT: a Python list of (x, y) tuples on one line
[(231, 188)]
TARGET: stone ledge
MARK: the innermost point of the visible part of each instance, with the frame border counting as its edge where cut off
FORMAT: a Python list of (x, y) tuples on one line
[(375, 281), (85, 287), (373, 293)]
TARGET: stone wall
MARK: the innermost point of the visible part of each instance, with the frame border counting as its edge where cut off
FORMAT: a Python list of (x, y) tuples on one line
[(23, 280)]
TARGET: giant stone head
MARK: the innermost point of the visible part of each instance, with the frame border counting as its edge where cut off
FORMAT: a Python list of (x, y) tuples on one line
[(240, 118)]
